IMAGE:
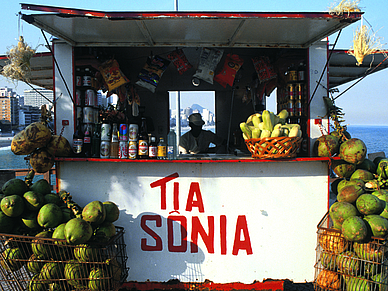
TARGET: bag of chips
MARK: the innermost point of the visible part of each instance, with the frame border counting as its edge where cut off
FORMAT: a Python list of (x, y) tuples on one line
[(151, 73), (227, 75), (179, 60), (208, 62), (112, 74), (264, 69)]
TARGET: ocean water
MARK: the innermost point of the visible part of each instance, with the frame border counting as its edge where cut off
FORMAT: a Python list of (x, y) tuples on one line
[(374, 137)]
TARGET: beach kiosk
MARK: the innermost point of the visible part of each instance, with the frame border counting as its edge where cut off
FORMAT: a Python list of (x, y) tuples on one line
[(228, 219)]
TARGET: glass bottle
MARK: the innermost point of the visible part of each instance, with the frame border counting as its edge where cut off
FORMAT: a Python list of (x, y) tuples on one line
[(78, 139), (143, 140), (162, 149), (171, 145), (114, 144), (96, 141), (87, 148), (153, 148)]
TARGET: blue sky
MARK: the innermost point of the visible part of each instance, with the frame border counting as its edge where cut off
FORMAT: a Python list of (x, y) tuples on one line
[(365, 103)]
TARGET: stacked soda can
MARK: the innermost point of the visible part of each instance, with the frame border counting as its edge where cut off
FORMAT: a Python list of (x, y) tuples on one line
[(132, 138), (123, 141), (105, 140)]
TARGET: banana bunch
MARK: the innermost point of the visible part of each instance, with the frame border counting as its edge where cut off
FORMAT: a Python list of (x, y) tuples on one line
[(269, 124)]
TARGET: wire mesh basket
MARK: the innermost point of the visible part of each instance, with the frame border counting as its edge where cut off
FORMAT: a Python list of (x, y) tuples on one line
[(274, 147), (38, 263), (344, 265)]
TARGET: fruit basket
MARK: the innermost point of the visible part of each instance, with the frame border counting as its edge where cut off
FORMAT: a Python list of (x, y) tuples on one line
[(345, 265), (31, 263), (273, 147)]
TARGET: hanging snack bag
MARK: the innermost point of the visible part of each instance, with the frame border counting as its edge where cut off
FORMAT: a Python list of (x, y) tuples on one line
[(208, 62), (264, 69), (112, 74), (180, 61), (151, 73), (228, 73)]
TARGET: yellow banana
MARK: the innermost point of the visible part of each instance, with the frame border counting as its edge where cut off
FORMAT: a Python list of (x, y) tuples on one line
[(245, 137), (249, 119)]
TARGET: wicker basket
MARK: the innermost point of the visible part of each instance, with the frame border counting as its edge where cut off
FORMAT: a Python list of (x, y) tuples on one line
[(110, 258), (273, 147)]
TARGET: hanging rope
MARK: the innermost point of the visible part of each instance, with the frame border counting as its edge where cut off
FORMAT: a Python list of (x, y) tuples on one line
[(326, 65), (366, 74), (59, 69)]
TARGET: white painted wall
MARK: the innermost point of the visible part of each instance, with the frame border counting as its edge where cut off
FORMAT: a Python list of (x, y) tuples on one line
[(279, 205)]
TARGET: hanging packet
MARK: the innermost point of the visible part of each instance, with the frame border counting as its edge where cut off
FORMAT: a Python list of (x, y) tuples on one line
[(112, 74), (179, 60), (151, 73), (208, 62), (264, 69), (228, 72)]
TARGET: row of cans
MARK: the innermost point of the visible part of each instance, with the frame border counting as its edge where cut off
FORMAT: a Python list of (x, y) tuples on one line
[(127, 150), (87, 114), (86, 98), (127, 132)]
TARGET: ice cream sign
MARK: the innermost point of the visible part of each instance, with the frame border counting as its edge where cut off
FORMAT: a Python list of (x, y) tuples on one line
[(187, 222)]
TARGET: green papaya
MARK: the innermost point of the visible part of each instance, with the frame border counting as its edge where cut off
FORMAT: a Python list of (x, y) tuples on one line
[(378, 225), (353, 151), (14, 186), (369, 204), (12, 205), (41, 186), (94, 212), (383, 196), (367, 165), (340, 211), (355, 229), (78, 231), (362, 175), (350, 193), (343, 169), (346, 182), (49, 215), (112, 211), (33, 200)]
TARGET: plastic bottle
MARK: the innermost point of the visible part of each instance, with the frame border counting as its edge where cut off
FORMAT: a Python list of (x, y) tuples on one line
[(87, 148), (96, 141), (78, 139), (171, 145)]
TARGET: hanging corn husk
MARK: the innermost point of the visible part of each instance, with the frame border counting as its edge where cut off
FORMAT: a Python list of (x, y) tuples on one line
[(19, 66), (364, 43), (345, 6)]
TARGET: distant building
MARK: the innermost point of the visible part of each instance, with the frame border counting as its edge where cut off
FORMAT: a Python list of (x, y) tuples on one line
[(5, 109), (35, 98), (28, 115)]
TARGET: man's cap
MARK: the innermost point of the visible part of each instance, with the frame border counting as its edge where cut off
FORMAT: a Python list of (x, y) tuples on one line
[(196, 119)]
